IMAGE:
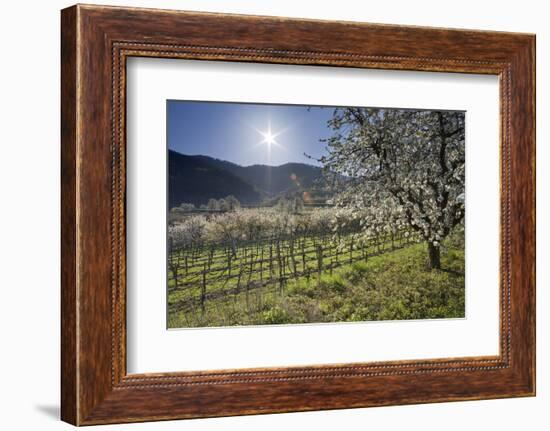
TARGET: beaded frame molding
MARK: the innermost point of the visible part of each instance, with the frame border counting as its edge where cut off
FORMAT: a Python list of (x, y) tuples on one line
[(95, 43)]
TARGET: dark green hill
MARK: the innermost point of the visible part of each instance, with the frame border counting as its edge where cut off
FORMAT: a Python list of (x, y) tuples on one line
[(196, 179), (272, 180), (193, 180)]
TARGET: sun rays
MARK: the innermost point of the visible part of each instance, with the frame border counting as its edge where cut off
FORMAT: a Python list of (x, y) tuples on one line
[(269, 137)]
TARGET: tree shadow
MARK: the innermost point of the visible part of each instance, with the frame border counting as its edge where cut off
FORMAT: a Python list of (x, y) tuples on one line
[(451, 271)]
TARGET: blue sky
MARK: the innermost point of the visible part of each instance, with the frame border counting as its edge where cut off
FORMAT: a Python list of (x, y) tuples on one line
[(235, 131)]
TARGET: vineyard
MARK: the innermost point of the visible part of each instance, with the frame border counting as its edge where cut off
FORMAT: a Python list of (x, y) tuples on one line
[(239, 262), (372, 228)]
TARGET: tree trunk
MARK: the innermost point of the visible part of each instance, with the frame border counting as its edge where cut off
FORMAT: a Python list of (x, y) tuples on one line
[(434, 254)]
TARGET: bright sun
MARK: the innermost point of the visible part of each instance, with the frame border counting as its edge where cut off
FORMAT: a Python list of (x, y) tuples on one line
[(269, 138)]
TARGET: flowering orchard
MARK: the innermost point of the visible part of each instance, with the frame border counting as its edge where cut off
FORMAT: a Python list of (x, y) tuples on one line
[(400, 168), (252, 252), (395, 182)]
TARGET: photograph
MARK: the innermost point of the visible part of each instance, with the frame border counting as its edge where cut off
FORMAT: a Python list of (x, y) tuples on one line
[(300, 214)]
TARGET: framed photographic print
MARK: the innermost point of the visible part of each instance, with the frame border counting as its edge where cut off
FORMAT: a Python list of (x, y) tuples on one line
[(260, 217)]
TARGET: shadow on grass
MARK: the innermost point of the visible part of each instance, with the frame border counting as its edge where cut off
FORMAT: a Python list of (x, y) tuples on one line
[(451, 271)]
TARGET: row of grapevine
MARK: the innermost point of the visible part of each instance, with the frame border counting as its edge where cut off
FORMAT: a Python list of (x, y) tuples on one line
[(210, 271)]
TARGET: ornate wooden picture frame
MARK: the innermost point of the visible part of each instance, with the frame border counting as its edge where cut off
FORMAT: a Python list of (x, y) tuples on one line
[(96, 41)]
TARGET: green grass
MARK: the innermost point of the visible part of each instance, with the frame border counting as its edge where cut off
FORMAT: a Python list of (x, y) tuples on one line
[(396, 285)]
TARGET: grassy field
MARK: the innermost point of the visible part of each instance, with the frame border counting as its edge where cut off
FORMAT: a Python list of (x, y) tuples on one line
[(393, 285)]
